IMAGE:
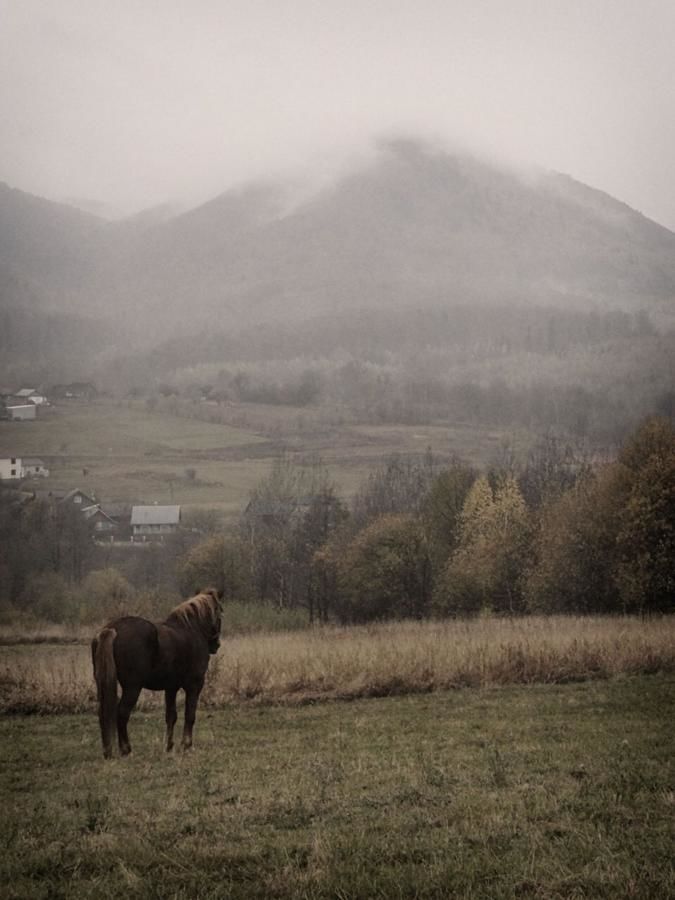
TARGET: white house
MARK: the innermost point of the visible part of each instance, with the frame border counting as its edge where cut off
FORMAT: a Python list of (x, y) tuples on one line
[(13, 468), (154, 522), (30, 395), (34, 468), (10, 468)]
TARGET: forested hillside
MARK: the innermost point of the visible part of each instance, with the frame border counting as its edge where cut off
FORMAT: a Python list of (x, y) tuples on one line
[(423, 286)]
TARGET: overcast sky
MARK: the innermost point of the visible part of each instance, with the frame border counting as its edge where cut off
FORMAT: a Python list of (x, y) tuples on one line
[(135, 102)]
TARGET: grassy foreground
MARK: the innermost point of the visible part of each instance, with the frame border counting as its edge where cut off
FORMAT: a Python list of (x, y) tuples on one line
[(521, 791)]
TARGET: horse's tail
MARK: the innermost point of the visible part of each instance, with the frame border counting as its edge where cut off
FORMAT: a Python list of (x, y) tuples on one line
[(105, 675)]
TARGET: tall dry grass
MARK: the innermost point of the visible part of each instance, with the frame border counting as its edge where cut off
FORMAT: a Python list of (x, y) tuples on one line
[(332, 663)]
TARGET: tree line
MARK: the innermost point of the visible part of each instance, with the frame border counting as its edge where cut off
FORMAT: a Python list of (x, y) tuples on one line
[(539, 368), (556, 534)]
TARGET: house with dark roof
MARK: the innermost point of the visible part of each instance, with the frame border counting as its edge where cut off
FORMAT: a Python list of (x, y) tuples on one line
[(154, 522), (49, 495), (76, 390), (100, 522), (78, 498)]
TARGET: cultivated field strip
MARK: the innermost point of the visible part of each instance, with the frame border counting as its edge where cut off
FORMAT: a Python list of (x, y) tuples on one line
[(330, 663)]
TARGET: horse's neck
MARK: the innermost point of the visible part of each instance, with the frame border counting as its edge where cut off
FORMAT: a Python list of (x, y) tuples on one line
[(180, 623)]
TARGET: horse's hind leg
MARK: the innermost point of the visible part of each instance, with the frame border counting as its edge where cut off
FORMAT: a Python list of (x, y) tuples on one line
[(171, 716), (127, 702)]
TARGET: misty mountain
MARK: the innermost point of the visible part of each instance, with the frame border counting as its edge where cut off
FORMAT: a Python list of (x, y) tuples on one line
[(414, 228), (50, 247)]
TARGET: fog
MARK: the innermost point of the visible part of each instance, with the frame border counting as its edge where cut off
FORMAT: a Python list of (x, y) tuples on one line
[(132, 105)]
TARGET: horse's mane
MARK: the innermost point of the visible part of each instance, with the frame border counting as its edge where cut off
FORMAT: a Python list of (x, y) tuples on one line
[(202, 609)]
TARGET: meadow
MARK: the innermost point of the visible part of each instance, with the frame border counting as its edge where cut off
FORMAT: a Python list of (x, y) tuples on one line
[(542, 791), (483, 758), (125, 452)]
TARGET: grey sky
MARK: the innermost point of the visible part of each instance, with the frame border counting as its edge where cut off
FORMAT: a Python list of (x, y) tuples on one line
[(134, 103)]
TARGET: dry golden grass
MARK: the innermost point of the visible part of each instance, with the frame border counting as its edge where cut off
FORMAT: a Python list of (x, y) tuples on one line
[(347, 663), (43, 632)]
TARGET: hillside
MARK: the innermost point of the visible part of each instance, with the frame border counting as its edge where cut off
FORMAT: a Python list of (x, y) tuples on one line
[(468, 291), (413, 227)]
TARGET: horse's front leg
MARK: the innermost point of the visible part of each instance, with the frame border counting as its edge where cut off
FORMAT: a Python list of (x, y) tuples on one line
[(171, 715), (192, 692), (124, 709)]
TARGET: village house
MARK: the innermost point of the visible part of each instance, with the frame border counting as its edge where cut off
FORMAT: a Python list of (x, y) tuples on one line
[(49, 495), (31, 395), (58, 497), (34, 468), (76, 390), (78, 498), (10, 468), (154, 522), (100, 522)]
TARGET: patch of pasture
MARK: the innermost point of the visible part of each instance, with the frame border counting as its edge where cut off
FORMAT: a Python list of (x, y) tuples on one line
[(121, 451), (520, 791), (106, 428), (222, 484)]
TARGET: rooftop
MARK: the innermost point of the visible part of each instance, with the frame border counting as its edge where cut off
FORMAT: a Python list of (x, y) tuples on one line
[(155, 515)]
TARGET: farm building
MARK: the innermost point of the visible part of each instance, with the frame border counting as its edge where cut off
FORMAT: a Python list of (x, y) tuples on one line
[(78, 498), (16, 467), (10, 468), (99, 521), (34, 468), (24, 412), (154, 522), (49, 495), (77, 390), (31, 395)]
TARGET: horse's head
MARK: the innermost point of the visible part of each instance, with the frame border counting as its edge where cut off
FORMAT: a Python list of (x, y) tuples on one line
[(217, 609)]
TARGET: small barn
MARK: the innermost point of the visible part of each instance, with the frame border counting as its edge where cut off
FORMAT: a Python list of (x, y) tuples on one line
[(22, 413), (154, 522)]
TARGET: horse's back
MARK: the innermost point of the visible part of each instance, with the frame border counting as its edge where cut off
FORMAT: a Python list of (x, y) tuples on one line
[(135, 649)]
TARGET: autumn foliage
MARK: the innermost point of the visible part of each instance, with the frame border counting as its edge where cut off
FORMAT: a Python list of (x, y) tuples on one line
[(556, 536)]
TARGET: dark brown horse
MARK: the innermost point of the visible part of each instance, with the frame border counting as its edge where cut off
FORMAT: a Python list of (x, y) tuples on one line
[(168, 656)]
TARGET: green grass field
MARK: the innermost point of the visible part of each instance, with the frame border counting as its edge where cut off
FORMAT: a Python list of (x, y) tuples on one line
[(128, 454), (521, 791), (124, 452)]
